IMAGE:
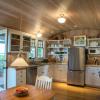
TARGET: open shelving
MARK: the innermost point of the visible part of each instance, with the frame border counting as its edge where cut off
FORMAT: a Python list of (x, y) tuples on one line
[(58, 50)]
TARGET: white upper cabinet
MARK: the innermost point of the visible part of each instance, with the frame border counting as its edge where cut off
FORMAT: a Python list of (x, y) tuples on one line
[(17, 41), (93, 42), (26, 43), (14, 40)]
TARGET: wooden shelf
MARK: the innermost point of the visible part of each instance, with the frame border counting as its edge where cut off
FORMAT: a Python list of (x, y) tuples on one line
[(58, 50), (15, 39), (57, 54), (56, 47), (26, 41), (14, 45)]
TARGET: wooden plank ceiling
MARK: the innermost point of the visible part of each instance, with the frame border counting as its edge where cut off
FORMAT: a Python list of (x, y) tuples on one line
[(41, 15)]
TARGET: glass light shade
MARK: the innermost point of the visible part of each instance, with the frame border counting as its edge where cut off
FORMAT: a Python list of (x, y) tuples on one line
[(61, 20), (18, 62), (39, 34)]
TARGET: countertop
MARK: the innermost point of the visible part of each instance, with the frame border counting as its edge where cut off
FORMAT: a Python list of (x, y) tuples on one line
[(54, 64), (24, 67), (40, 65), (90, 65)]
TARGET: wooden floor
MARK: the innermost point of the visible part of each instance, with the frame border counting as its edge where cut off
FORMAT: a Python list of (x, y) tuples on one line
[(66, 92)]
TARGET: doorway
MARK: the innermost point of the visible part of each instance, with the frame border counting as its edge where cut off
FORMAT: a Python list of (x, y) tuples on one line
[(3, 40)]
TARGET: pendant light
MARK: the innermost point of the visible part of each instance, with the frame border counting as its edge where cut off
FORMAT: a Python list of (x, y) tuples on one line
[(19, 61), (61, 19)]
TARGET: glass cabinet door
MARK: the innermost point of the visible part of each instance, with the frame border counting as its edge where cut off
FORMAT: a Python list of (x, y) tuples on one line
[(32, 53), (3, 39), (40, 49)]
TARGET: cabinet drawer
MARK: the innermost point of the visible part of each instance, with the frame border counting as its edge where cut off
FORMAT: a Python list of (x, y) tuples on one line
[(21, 82), (60, 73), (50, 73), (21, 77), (21, 72), (40, 73), (42, 70), (93, 76)]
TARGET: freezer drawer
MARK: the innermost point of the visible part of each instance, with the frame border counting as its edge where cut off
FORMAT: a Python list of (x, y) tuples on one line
[(75, 78)]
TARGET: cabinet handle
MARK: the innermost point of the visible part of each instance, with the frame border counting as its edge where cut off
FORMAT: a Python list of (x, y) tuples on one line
[(20, 75), (99, 72), (93, 73), (21, 81)]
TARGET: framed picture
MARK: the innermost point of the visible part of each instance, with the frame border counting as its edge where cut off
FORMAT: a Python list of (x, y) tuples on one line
[(80, 40)]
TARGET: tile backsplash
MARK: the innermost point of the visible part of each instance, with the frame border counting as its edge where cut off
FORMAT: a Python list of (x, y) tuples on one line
[(93, 59)]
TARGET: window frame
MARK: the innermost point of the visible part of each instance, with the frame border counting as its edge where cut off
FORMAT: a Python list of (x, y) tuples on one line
[(40, 44), (33, 46)]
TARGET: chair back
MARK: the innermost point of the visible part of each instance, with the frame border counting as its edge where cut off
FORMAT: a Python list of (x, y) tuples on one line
[(43, 82)]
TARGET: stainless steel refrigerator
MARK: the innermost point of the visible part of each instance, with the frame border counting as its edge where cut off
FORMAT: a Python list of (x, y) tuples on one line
[(76, 66)]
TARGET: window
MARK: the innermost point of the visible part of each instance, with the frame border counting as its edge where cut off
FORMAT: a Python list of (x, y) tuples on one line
[(32, 49), (40, 51)]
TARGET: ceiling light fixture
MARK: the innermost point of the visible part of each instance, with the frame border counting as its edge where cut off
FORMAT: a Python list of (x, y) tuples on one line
[(38, 34), (61, 19)]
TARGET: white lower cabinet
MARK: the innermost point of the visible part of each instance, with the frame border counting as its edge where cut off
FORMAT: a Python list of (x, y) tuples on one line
[(60, 73), (50, 71), (57, 71), (21, 77), (15, 77), (93, 76), (42, 70), (97, 75)]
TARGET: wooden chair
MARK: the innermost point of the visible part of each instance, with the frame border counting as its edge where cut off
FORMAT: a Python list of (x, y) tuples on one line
[(43, 82)]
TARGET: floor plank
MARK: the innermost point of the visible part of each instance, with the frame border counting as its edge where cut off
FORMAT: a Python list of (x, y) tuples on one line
[(66, 92)]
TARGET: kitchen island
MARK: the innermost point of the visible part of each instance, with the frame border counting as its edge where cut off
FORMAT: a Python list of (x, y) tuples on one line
[(21, 75)]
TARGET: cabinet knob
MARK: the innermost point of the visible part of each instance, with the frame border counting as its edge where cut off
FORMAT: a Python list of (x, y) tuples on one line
[(21, 81), (93, 73)]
